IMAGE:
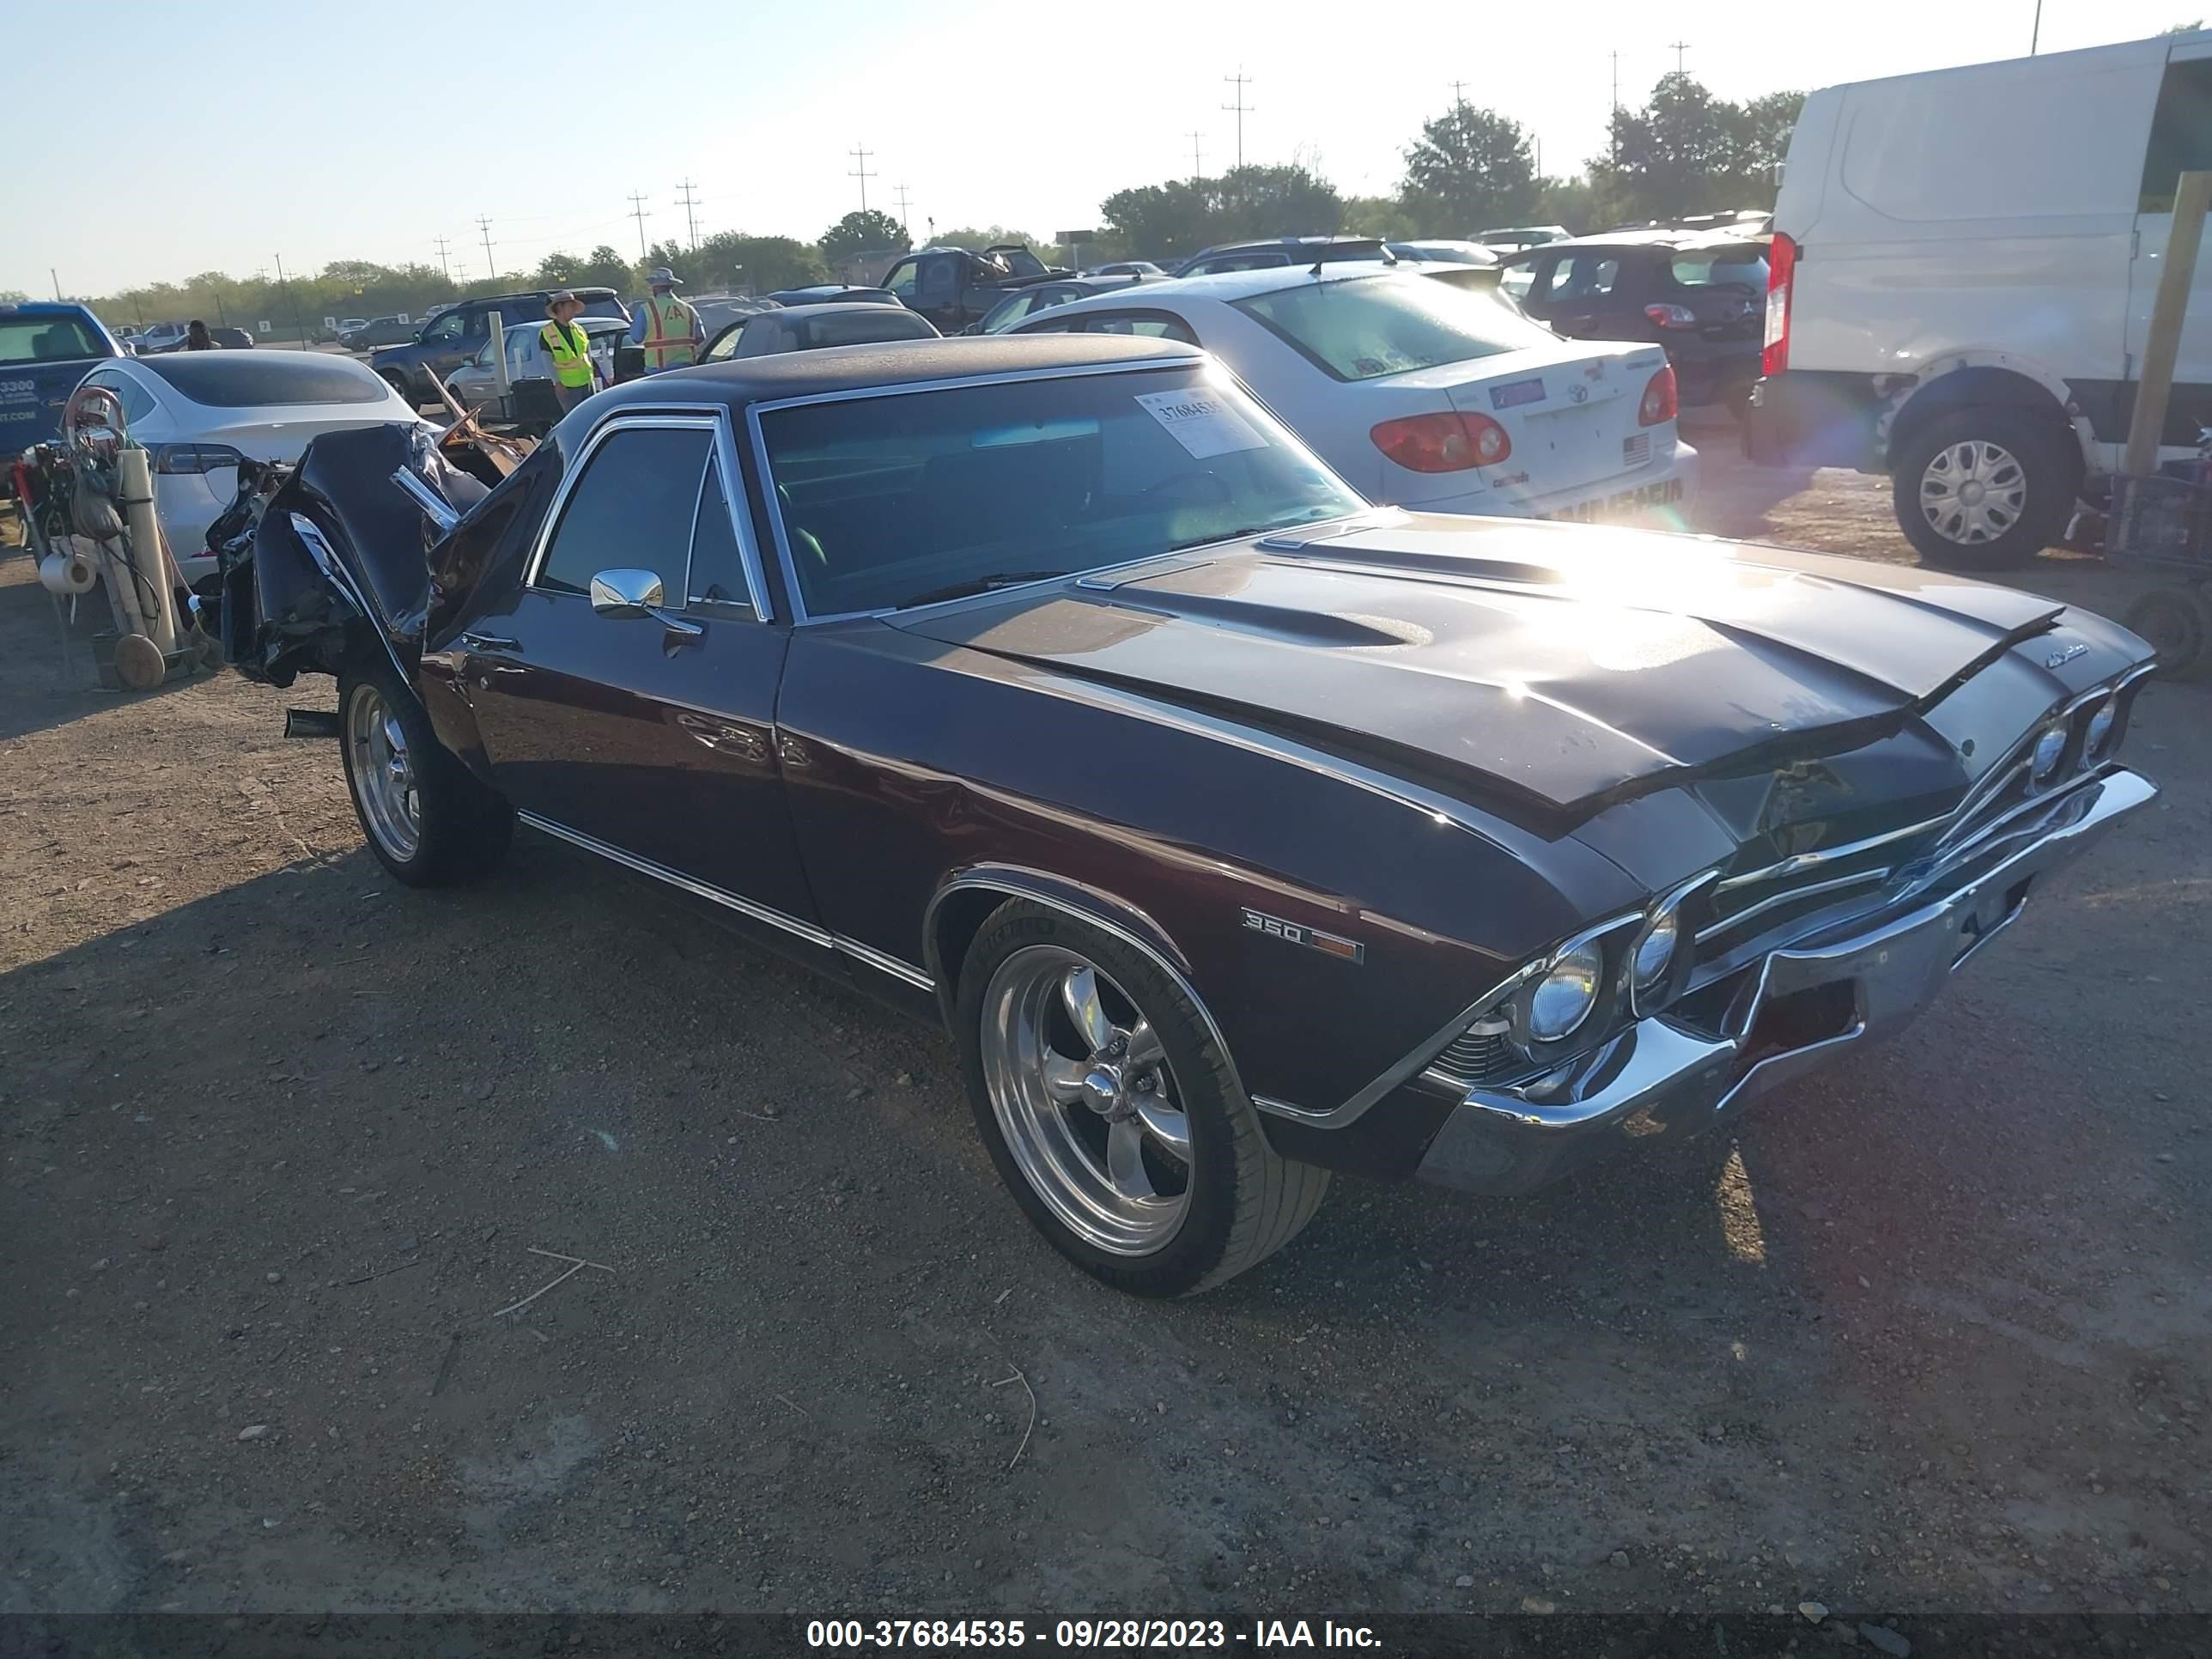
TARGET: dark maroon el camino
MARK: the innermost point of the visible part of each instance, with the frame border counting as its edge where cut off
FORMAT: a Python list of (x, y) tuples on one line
[(1240, 831)]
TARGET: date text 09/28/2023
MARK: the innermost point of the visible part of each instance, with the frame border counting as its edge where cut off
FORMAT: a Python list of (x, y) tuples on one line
[(1085, 1634)]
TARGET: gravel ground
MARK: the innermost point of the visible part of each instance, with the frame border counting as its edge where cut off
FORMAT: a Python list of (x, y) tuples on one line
[(278, 1137)]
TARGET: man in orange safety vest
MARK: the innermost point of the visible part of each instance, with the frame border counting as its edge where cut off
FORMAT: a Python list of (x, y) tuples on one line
[(667, 327)]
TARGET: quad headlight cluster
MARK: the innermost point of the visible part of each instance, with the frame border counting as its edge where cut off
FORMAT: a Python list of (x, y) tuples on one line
[(2087, 734), (1627, 966)]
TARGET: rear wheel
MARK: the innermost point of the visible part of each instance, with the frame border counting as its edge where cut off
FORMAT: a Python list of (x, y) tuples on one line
[(398, 382), (2177, 623), (1112, 1113), (426, 816), (1984, 488)]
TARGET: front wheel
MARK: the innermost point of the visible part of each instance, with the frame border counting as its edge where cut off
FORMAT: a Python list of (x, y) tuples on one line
[(398, 382), (427, 817), (1112, 1113), (1985, 488)]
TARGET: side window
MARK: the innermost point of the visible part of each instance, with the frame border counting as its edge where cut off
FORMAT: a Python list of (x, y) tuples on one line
[(1148, 324), (939, 276), (2180, 133), (718, 573), (1052, 326), (1582, 276), (445, 331), (631, 510), (902, 277), (137, 404), (724, 345), (1007, 312)]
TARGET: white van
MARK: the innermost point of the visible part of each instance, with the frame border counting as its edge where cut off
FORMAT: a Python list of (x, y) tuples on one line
[(1961, 278)]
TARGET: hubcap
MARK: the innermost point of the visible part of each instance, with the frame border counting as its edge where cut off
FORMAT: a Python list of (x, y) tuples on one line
[(1973, 491), (384, 774), (1084, 1096)]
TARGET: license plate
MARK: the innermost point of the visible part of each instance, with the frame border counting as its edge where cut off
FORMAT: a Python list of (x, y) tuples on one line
[(1619, 505)]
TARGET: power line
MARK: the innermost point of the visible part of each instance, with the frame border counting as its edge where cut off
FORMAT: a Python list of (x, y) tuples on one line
[(637, 212), (444, 264), (861, 173), (483, 224), (687, 202), (901, 194), (1240, 81), (1679, 47)]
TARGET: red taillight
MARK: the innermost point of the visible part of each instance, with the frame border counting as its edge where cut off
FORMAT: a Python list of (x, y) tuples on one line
[(1659, 403), (1781, 272), (1671, 316), (1443, 443)]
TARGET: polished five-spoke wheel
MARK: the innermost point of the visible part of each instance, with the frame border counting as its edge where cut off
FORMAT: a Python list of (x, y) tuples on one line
[(1112, 1111), (383, 770), (1086, 1100), (427, 818)]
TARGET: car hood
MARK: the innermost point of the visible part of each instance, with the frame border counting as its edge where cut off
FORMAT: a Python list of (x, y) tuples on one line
[(1555, 666)]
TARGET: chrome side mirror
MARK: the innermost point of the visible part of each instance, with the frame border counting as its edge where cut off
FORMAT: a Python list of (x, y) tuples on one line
[(622, 595), (626, 593)]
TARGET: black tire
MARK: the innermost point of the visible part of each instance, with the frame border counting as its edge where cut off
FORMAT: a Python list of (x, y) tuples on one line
[(398, 383), (2176, 622), (461, 828), (2048, 463), (1245, 1201)]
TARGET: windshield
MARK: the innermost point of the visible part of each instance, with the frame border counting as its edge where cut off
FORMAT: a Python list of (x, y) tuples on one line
[(880, 323), (1745, 267), (47, 340), (258, 379), (893, 500), (1371, 326)]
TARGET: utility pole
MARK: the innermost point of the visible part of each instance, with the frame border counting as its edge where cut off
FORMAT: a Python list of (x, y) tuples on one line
[(57, 277), (444, 264), (1240, 81), (1459, 94), (687, 201), (484, 225), (1197, 158), (1613, 129), (637, 212), (292, 303), (901, 194), (2035, 35), (862, 174), (1677, 47)]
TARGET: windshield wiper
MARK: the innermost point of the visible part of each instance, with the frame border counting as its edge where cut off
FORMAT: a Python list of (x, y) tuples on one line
[(982, 584)]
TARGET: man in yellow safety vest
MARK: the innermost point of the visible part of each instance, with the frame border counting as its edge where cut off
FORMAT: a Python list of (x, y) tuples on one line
[(668, 329), (568, 348)]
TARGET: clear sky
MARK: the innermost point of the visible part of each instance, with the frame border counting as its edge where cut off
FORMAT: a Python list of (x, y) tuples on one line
[(169, 140)]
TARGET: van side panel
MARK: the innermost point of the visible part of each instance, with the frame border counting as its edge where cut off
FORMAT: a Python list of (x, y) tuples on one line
[(1987, 209)]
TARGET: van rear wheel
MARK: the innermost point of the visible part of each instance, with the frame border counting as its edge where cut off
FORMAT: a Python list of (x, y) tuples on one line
[(1985, 488)]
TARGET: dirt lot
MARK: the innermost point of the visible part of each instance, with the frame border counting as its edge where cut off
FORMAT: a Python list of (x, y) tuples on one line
[(280, 1137)]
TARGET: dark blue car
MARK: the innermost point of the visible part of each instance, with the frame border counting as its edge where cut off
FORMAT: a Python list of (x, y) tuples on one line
[(45, 349)]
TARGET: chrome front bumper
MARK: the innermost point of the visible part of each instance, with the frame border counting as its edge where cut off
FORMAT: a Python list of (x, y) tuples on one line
[(1661, 1077)]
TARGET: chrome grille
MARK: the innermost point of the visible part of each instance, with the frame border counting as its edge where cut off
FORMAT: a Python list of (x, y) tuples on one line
[(1480, 1053), (1746, 905)]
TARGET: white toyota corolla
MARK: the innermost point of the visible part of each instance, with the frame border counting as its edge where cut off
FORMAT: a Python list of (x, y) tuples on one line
[(1425, 395)]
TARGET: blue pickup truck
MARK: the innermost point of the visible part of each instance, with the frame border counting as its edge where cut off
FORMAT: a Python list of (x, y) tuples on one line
[(45, 350)]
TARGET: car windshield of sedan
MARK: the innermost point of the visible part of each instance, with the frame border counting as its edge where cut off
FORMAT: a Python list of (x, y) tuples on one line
[(904, 499), (1371, 326)]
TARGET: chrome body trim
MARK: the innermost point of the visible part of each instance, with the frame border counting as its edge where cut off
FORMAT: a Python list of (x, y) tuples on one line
[(1801, 861), (1659, 1075), (1014, 889), (435, 507), (882, 962), (1672, 979), (1833, 884)]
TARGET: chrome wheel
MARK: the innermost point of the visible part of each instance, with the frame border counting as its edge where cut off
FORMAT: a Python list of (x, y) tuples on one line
[(1084, 1098), (1973, 491), (384, 774)]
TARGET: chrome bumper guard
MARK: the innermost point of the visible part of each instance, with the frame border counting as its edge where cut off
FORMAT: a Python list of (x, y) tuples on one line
[(1660, 1077)]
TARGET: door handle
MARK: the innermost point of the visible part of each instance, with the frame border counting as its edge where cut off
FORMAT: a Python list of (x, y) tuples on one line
[(490, 642)]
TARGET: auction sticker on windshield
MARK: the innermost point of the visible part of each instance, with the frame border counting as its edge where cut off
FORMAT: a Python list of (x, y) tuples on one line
[(1204, 426)]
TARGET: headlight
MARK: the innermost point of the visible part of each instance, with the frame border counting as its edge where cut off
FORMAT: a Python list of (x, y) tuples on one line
[(2101, 729), (1656, 953), (2050, 748), (1564, 996)]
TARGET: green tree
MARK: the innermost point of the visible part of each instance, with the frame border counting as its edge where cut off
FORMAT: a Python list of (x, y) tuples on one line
[(731, 259), (2189, 28), (1688, 152), (1569, 201), (1469, 168), (868, 231), (14, 296), (1175, 220), (1385, 216)]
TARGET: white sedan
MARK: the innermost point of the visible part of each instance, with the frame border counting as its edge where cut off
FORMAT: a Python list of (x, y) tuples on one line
[(197, 412), (1425, 395), (477, 381)]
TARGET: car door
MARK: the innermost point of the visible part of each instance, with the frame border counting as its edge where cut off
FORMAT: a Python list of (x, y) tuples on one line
[(449, 342), (1574, 291), (649, 738), (2180, 142)]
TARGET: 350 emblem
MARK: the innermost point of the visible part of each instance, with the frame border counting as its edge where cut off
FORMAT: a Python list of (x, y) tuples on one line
[(1294, 932)]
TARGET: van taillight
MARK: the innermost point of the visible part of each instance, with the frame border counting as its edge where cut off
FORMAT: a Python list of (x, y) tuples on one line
[(1781, 272)]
